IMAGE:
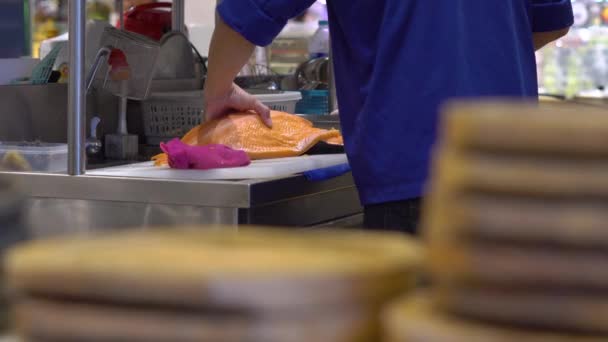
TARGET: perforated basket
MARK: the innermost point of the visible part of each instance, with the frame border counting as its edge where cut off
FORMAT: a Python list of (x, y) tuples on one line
[(170, 115)]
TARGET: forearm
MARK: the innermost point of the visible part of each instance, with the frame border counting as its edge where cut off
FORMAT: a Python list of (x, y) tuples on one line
[(228, 53), (543, 38), (551, 20)]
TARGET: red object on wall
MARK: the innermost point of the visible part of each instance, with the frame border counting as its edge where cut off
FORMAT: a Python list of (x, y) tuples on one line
[(151, 20)]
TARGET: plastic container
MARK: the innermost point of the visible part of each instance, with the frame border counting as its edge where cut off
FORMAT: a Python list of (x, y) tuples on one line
[(314, 102), (283, 102), (319, 43), (40, 157), (170, 115)]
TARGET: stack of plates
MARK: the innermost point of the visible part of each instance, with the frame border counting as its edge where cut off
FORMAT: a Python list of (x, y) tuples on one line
[(212, 285), (516, 223), (417, 319)]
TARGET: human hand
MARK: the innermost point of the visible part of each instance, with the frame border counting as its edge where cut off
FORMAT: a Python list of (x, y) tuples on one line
[(221, 103)]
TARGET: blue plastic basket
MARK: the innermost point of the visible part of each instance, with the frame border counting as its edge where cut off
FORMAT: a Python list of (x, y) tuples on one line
[(314, 102)]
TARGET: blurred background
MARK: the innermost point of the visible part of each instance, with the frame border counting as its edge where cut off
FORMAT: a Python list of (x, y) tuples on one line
[(577, 65), (48, 19)]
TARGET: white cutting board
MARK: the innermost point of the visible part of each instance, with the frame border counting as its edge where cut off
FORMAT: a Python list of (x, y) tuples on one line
[(259, 169)]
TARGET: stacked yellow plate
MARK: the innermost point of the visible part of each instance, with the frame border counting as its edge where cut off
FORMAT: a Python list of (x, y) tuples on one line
[(419, 319), (516, 223), (208, 284)]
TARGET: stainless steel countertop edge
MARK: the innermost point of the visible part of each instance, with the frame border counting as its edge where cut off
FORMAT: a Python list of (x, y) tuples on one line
[(143, 190), (223, 194), (295, 186)]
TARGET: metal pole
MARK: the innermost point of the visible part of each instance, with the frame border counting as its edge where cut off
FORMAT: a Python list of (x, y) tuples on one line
[(123, 102), (120, 10), (178, 18), (76, 88), (333, 98)]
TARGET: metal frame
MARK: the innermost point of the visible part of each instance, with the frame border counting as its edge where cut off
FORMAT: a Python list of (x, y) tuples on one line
[(63, 204), (76, 88), (77, 85), (178, 19)]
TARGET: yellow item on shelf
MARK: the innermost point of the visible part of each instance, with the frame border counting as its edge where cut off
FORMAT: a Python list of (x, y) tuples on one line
[(14, 161)]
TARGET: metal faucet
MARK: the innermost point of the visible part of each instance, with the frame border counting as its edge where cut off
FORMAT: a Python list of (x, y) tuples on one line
[(102, 55), (93, 145)]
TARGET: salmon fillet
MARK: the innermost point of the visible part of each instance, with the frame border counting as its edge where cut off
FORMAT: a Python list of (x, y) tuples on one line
[(290, 135)]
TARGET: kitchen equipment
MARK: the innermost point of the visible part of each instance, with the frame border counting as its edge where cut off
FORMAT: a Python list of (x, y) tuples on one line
[(284, 101), (169, 115), (127, 74), (93, 144), (313, 79), (140, 56), (314, 71), (258, 76), (34, 156), (258, 64), (259, 169), (42, 71), (270, 82), (176, 58), (314, 102), (94, 31), (151, 20)]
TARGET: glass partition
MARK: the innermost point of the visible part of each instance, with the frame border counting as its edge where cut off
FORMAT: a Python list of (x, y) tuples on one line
[(577, 65)]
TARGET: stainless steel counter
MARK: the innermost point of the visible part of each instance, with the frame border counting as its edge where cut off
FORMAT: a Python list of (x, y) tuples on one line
[(69, 204)]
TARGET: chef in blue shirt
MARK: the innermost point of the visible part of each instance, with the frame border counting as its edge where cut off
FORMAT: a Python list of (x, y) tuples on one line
[(396, 62)]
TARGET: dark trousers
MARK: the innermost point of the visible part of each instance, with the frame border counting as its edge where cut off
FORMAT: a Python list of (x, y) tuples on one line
[(401, 216)]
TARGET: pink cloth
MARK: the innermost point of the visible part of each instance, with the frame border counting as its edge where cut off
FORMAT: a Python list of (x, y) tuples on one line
[(184, 156)]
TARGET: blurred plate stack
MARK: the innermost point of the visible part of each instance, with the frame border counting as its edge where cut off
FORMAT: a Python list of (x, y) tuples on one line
[(516, 224), (417, 319), (214, 284), (12, 231)]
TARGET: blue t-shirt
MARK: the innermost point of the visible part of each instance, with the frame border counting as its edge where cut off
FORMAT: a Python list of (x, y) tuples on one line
[(397, 61)]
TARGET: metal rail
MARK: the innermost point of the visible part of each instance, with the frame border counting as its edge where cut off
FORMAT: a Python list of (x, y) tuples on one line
[(178, 16), (76, 88)]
